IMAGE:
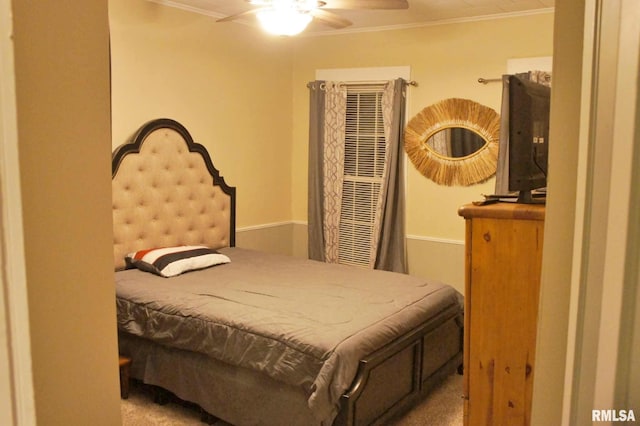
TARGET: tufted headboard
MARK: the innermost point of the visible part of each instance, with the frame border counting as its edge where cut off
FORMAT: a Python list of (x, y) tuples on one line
[(166, 192)]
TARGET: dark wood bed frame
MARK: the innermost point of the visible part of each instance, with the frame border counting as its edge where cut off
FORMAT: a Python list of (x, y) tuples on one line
[(391, 379)]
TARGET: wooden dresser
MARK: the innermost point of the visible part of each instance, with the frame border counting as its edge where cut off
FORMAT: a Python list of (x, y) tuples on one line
[(503, 250)]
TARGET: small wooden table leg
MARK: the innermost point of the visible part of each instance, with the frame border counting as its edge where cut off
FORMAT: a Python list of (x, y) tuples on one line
[(125, 362)]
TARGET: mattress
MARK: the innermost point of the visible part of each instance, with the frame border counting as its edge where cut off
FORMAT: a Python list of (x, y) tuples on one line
[(301, 322)]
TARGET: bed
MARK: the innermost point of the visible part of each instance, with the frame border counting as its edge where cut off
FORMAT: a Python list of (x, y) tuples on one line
[(262, 338)]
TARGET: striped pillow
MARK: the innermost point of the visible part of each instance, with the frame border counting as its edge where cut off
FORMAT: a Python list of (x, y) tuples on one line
[(172, 261)]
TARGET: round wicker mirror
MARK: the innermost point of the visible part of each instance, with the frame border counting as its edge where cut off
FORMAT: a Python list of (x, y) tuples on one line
[(436, 137)]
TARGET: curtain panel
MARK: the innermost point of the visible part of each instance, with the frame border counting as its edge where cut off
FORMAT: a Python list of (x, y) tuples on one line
[(335, 106), (315, 202), (391, 250), (326, 168)]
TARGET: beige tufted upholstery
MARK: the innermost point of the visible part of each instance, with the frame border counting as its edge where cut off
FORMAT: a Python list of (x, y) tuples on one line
[(164, 196)]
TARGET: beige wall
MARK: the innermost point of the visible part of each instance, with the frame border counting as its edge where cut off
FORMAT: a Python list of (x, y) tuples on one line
[(446, 61), (244, 96), (274, 238), (226, 83), (62, 102), (63, 120), (561, 213)]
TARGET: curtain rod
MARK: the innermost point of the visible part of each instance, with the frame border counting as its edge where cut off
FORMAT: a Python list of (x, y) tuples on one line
[(488, 80), (372, 82), (493, 80)]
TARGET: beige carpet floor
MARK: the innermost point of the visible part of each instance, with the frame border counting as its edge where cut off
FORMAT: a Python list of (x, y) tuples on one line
[(442, 407)]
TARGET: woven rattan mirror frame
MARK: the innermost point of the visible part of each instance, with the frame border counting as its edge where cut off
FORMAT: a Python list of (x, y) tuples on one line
[(454, 112)]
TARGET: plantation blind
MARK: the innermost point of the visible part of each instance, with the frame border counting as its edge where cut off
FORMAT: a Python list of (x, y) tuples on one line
[(364, 163)]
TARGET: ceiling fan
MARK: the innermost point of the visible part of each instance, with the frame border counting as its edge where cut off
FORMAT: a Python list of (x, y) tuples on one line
[(289, 17)]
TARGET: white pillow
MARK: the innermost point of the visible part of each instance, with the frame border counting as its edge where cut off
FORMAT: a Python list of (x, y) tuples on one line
[(172, 261)]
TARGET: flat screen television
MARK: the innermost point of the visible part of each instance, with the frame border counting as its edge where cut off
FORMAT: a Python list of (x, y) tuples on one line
[(529, 106)]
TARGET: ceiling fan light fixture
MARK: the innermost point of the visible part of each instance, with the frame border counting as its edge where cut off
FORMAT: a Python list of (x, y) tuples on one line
[(284, 21)]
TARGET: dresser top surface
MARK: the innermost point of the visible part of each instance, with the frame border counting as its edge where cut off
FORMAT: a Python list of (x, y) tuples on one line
[(503, 210)]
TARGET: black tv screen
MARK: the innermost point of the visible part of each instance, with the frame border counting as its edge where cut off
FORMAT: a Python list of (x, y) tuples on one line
[(529, 106)]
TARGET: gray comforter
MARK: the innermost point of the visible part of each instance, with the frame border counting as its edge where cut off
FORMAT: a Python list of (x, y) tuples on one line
[(303, 322)]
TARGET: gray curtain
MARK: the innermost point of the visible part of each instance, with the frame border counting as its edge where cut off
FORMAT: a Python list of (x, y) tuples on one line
[(502, 171), (392, 244), (315, 199)]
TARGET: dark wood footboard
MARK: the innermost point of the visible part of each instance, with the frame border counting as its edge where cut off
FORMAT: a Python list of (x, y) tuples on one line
[(392, 379), (388, 382)]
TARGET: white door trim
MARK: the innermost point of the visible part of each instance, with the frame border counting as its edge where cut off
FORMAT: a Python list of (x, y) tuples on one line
[(603, 309)]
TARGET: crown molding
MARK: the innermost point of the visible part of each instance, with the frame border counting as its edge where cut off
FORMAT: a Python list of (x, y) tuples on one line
[(506, 15)]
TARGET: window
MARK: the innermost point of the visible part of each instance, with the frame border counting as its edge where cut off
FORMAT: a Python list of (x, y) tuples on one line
[(356, 190), (364, 163)]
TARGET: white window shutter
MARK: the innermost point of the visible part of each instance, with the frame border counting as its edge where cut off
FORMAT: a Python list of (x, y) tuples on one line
[(364, 157)]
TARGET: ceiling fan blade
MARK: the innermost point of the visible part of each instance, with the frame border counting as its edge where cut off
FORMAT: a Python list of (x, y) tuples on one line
[(330, 19), (367, 4), (239, 15)]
